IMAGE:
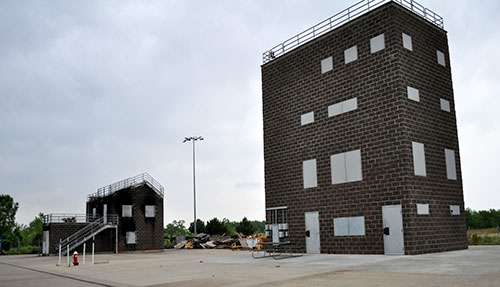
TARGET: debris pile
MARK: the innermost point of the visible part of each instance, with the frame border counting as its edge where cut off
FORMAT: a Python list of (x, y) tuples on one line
[(205, 241)]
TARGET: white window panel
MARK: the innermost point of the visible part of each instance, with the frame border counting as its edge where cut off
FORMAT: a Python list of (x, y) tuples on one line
[(150, 211), (341, 226), (346, 167), (307, 118), (343, 107), (309, 173), (130, 237), (126, 210), (413, 94), (353, 166), (377, 43), (440, 58), (418, 159), (349, 226), (445, 105), (349, 105), (451, 169), (326, 65), (337, 162), (454, 209), (334, 110), (407, 42), (351, 54), (356, 225), (422, 209)]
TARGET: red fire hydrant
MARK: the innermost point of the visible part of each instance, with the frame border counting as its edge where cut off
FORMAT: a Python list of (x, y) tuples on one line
[(75, 258)]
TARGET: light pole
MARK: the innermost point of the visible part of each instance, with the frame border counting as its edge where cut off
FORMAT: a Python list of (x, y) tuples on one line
[(194, 139)]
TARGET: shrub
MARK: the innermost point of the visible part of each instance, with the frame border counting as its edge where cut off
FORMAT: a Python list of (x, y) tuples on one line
[(166, 242), (13, 251), (216, 227), (491, 240), (26, 249), (6, 244), (475, 239), (200, 226), (245, 227)]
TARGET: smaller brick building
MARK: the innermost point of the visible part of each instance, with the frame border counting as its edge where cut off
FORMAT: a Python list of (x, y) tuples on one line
[(123, 216)]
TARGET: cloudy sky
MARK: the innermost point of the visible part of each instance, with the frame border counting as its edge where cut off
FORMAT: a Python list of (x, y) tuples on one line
[(93, 92)]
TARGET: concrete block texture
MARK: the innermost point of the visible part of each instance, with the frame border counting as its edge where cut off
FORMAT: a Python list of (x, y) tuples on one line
[(148, 229), (382, 127)]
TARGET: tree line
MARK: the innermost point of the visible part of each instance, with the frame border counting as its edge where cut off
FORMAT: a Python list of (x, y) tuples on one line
[(18, 238), (482, 218), (214, 226)]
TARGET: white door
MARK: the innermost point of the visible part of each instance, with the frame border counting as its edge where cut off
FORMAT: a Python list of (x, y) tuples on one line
[(312, 232), (276, 233), (392, 220), (45, 244)]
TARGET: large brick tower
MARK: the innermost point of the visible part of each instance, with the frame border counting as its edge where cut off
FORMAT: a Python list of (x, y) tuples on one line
[(360, 138)]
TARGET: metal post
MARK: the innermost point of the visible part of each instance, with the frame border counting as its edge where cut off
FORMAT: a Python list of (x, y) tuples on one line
[(194, 187), (60, 252), (92, 252), (105, 211), (116, 236), (194, 139), (84, 245), (67, 254)]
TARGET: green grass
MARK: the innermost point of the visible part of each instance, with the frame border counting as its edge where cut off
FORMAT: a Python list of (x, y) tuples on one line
[(487, 236), (24, 250)]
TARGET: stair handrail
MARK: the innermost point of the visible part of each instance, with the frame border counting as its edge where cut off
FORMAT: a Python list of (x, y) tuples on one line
[(112, 220), (84, 237)]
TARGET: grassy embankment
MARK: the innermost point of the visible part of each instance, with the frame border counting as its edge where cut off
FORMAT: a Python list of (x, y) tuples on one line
[(487, 236)]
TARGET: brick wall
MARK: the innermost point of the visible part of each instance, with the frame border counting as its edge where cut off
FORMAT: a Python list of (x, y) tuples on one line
[(383, 127), (61, 231), (436, 129), (149, 231)]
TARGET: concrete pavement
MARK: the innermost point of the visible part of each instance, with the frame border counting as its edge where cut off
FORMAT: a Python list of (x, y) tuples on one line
[(478, 266)]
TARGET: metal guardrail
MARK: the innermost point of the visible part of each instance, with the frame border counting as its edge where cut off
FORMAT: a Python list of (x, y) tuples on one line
[(345, 16), (68, 218), (88, 231), (129, 182)]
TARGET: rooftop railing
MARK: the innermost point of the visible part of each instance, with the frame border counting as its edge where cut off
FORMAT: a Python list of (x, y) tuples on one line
[(68, 218), (137, 180), (345, 16)]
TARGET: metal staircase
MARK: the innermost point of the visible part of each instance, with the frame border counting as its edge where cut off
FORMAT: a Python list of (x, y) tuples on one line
[(78, 238)]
